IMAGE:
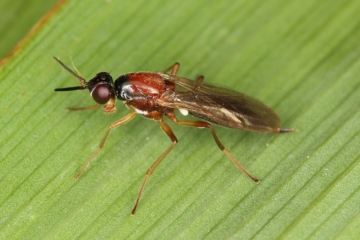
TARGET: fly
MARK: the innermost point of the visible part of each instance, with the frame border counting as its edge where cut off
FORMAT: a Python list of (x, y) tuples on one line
[(157, 94)]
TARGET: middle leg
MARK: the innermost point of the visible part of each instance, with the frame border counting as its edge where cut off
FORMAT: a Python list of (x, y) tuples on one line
[(166, 128)]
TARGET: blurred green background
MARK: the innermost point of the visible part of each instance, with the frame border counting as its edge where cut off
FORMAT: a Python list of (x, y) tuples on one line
[(17, 18)]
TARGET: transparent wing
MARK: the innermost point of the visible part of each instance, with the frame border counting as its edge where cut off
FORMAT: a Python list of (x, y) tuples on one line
[(222, 106)]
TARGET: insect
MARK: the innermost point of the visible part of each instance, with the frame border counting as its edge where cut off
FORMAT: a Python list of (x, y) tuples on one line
[(157, 94)]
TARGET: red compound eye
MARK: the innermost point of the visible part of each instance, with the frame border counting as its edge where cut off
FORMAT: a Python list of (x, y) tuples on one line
[(101, 94)]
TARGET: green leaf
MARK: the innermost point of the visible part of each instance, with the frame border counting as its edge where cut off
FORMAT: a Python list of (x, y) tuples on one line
[(17, 18), (302, 58)]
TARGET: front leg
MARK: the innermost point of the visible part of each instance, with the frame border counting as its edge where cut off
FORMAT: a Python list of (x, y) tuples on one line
[(84, 108), (116, 124)]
